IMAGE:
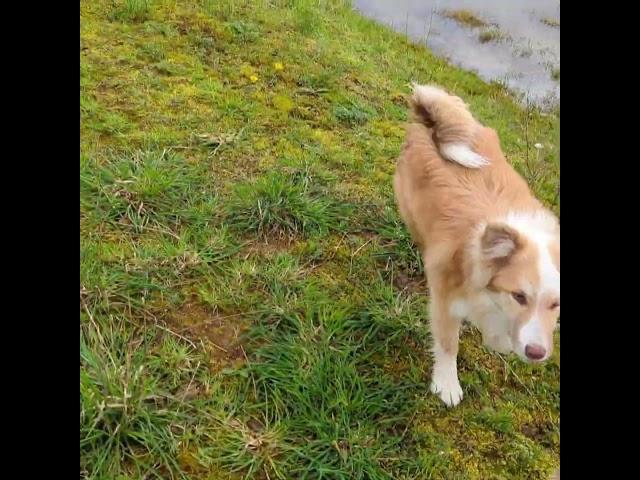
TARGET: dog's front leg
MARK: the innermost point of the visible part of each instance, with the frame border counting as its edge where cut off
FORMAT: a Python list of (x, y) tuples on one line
[(445, 329)]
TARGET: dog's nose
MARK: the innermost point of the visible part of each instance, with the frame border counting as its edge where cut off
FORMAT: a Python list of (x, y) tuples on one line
[(534, 351)]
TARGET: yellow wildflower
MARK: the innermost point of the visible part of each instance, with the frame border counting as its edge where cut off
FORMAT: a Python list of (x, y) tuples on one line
[(253, 78), (278, 66)]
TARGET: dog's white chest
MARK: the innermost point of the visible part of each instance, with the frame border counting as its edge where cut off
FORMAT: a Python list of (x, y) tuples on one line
[(483, 313)]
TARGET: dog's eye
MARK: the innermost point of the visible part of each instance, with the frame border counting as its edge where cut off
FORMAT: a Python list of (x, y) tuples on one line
[(519, 297), (555, 305)]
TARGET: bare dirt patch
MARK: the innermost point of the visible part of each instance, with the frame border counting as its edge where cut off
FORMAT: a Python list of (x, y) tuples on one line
[(268, 246), (220, 334), (411, 283)]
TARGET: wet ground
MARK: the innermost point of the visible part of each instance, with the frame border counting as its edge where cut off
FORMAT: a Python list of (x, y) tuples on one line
[(515, 42)]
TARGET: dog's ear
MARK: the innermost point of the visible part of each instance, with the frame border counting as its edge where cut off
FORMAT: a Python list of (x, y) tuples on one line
[(499, 242)]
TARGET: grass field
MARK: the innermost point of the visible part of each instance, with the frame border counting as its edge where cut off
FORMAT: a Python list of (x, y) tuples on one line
[(250, 304)]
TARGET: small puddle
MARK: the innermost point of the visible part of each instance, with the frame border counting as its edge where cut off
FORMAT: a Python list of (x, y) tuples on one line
[(517, 45)]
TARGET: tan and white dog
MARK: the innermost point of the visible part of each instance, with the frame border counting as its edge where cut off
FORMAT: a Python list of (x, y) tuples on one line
[(491, 250)]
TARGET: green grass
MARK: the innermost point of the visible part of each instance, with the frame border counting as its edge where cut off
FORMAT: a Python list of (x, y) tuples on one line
[(131, 408), (131, 10), (251, 305), (284, 204)]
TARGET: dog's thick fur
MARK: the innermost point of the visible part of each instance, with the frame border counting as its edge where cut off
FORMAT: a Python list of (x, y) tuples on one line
[(491, 250)]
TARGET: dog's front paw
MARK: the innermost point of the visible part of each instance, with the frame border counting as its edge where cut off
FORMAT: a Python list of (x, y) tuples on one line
[(447, 387)]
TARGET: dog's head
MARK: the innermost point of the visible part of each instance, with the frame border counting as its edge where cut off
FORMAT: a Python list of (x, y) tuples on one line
[(522, 263)]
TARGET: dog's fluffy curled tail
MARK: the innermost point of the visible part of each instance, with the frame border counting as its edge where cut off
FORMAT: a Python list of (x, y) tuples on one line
[(453, 125)]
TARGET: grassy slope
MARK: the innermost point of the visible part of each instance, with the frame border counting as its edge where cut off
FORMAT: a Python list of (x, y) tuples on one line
[(250, 302)]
